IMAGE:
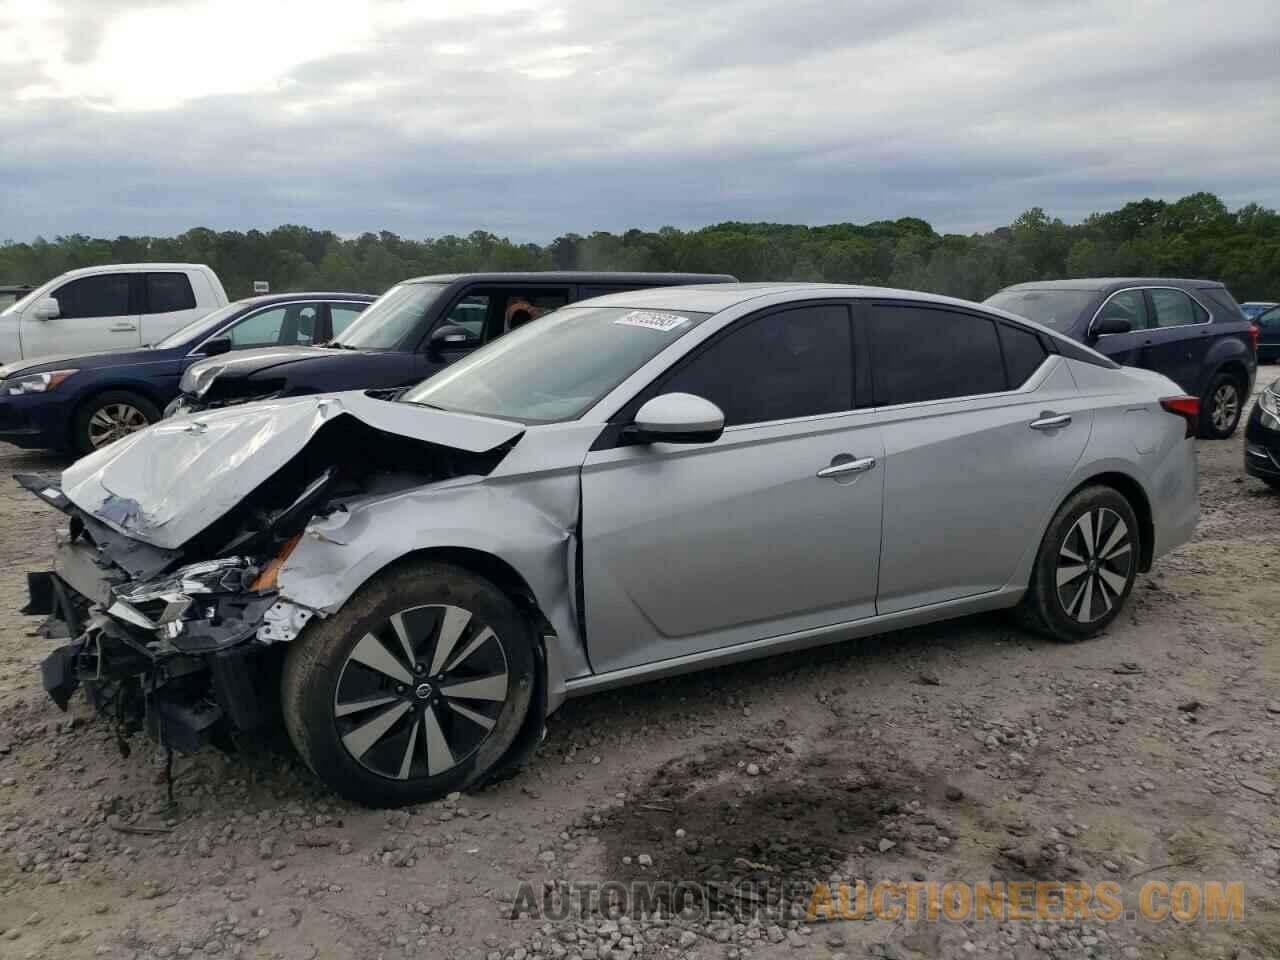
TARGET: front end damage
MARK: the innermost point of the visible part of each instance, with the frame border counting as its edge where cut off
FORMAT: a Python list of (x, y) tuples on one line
[(178, 631)]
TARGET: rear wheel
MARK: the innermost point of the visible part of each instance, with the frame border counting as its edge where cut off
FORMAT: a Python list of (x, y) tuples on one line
[(416, 688), (1086, 566), (1220, 407), (106, 418)]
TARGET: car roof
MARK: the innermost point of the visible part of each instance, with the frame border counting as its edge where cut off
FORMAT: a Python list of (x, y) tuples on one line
[(578, 276), (109, 267), (305, 295), (1099, 284), (712, 298)]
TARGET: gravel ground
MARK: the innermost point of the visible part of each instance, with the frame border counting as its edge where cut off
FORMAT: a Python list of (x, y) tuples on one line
[(966, 751)]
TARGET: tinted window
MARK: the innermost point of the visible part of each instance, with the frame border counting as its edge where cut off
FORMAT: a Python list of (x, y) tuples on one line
[(1172, 308), (341, 315), (1270, 320), (102, 296), (1128, 305), (925, 354), (1023, 353), (167, 292), (792, 364)]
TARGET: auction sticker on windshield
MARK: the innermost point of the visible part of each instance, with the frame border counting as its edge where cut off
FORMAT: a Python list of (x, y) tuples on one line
[(663, 322)]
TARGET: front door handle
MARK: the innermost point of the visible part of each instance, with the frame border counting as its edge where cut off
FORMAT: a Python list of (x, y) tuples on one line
[(847, 467), (124, 328), (1051, 421)]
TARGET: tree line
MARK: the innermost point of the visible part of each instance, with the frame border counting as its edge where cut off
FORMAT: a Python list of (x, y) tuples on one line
[(1196, 236)]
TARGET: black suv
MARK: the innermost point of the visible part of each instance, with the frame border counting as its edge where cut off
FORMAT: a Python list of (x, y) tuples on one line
[(411, 332), (1192, 331)]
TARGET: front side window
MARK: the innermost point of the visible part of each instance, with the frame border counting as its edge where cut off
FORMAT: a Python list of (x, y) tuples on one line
[(106, 295), (796, 363), (168, 292), (921, 353), (389, 322), (520, 308), (470, 313), (291, 325), (1172, 308), (1128, 305), (1057, 309), (555, 368), (342, 315)]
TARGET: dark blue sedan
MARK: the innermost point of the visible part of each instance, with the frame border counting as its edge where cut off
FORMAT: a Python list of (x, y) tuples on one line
[(81, 403)]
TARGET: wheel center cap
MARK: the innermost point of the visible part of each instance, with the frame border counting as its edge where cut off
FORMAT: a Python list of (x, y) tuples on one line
[(1093, 566), (423, 691)]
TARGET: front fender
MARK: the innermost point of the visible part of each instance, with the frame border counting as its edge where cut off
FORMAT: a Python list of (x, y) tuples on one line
[(530, 524)]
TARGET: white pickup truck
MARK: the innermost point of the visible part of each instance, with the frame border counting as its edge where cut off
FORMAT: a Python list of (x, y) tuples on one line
[(118, 306)]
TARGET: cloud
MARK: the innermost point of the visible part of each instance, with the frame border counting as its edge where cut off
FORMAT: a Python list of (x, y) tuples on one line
[(536, 117)]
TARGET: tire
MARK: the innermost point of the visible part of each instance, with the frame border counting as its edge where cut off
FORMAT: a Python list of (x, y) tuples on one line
[(1086, 602), (380, 741), (1220, 407), (107, 417)]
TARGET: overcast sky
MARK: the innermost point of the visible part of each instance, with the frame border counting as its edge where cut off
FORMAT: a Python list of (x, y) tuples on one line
[(531, 118)]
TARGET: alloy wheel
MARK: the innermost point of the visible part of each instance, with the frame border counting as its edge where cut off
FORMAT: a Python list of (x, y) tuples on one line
[(1094, 562), (1226, 407), (114, 420), (421, 693)]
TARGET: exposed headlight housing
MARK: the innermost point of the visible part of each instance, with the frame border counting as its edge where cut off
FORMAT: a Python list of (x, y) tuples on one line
[(199, 378), (1269, 401), (35, 382), (161, 602)]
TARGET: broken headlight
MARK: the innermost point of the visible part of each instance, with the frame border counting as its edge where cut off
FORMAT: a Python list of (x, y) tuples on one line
[(161, 603)]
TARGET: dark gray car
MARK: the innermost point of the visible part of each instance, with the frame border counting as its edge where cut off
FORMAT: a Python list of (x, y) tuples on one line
[(1192, 331)]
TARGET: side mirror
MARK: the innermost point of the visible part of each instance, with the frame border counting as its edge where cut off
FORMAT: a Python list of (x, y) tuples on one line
[(451, 338), (677, 418), (1110, 325), (217, 345), (47, 309)]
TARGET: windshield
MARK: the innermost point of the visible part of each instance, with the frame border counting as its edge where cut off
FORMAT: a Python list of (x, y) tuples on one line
[(19, 304), (1059, 309), (558, 366), (390, 318), (198, 328)]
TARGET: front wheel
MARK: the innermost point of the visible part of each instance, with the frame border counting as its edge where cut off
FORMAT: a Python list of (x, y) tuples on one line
[(414, 689), (1220, 409), (106, 418), (1086, 566)]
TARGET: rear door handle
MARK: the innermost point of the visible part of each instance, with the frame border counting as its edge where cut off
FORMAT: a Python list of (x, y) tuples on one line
[(848, 467), (1051, 421)]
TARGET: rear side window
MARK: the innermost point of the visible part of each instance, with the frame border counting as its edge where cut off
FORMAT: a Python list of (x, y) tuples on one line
[(796, 363), (106, 295), (1173, 308), (1023, 353), (920, 353), (167, 292)]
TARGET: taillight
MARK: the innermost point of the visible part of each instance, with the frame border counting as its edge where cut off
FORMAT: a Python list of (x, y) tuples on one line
[(1186, 407), (1255, 332)]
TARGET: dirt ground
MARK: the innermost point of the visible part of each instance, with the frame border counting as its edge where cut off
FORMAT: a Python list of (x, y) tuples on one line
[(968, 751)]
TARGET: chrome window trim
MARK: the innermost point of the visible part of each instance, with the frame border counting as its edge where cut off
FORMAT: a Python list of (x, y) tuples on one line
[(1149, 286), (195, 351)]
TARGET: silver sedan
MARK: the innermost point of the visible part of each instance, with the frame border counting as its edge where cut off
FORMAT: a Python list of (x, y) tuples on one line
[(628, 488)]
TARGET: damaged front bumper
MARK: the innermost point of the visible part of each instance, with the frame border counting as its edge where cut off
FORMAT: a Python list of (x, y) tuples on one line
[(178, 654)]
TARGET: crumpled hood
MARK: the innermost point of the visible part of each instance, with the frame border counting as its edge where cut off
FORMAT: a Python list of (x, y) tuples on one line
[(167, 483)]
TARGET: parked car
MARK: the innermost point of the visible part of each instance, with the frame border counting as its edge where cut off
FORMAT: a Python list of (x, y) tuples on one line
[(1268, 324), (1262, 437), (12, 293), (1192, 331), (120, 306), (85, 402), (416, 329), (628, 488), (1253, 308)]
